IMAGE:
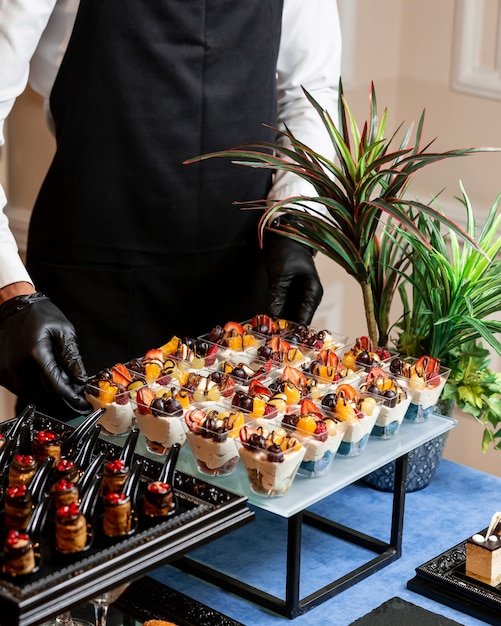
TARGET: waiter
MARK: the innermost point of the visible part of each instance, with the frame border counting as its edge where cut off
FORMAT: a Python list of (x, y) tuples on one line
[(127, 246)]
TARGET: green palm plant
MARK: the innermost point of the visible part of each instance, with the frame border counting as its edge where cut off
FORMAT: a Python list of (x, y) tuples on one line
[(449, 300), (455, 288), (354, 196)]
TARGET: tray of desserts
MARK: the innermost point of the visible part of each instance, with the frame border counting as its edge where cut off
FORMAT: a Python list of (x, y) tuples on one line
[(334, 395), (80, 514), (471, 587)]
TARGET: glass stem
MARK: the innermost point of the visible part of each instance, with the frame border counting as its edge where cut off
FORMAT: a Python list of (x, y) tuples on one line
[(101, 613)]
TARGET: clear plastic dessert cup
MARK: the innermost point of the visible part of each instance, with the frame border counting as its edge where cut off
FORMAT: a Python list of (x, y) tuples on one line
[(190, 352), (321, 447), (278, 352), (395, 397), (356, 357), (266, 326), (159, 413), (241, 371), (270, 456), (425, 396), (233, 339), (357, 434), (212, 435), (423, 387), (259, 401), (313, 339), (390, 419), (118, 418), (360, 412), (203, 387)]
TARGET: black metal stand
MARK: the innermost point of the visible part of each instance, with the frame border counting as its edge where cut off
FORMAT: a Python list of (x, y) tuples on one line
[(294, 605)]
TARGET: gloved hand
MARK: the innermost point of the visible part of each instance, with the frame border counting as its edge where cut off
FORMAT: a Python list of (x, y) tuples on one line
[(294, 290), (39, 356)]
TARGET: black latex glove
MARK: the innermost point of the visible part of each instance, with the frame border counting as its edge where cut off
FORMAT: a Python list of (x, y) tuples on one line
[(294, 290), (39, 356)]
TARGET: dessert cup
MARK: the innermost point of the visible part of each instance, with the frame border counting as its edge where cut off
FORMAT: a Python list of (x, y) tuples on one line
[(266, 326), (363, 355), (390, 419), (360, 412), (271, 457), (308, 338), (321, 447), (161, 432), (395, 397), (423, 387), (230, 339), (258, 401), (357, 434), (192, 353), (118, 418), (159, 416), (211, 436), (242, 372), (206, 386), (424, 397), (278, 352)]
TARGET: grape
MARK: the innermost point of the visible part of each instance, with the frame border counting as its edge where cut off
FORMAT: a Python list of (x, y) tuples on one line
[(364, 358), (202, 347), (239, 372), (265, 352), (391, 398), (329, 400), (257, 441), (173, 407)]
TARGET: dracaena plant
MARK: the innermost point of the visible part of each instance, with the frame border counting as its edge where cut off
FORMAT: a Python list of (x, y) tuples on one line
[(356, 192)]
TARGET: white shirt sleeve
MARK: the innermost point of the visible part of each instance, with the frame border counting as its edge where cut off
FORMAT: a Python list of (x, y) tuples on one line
[(22, 23), (309, 57)]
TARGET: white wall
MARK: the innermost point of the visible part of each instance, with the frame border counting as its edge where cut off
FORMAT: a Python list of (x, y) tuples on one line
[(409, 49)]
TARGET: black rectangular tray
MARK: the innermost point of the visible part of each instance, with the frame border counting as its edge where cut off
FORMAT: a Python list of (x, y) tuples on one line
[(443, 579), (204, 512)]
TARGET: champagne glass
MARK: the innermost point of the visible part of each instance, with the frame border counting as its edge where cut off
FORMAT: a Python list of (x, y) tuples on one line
[(102, 603)]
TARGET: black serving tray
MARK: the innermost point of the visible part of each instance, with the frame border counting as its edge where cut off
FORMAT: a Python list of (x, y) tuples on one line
[(443, 579), (204, 512)]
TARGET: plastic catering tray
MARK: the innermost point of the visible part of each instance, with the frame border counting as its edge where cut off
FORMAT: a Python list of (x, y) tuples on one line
[(203, 513)]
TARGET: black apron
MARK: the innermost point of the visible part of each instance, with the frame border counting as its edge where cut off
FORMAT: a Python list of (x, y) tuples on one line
[(130, 243)]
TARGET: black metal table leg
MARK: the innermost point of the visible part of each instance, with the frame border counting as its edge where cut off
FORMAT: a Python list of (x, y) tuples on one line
[(294, 605), (293, 571)]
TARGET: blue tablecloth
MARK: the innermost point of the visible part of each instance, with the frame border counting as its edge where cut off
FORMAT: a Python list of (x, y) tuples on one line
[(459, 502)]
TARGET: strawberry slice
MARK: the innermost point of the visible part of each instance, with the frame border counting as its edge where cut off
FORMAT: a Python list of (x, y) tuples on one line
[(347, 391), (121, 375), (364, 343), (279, 345), (308, 406), (262, 323), (155, 354), (234, 328), (295, 376), (258, 389), (144, 398), (329, 358), (210, 357)]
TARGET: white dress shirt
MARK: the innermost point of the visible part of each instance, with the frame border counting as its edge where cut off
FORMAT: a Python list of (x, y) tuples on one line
[(33, 39)]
